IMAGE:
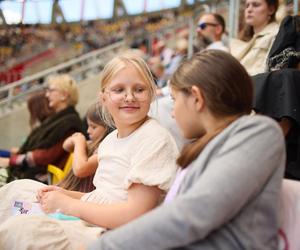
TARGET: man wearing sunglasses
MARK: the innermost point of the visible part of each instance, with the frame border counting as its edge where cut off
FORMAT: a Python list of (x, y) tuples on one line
[(210, 29)]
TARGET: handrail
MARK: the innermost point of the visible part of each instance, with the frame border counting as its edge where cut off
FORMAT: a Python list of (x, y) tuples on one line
[(90, 62)]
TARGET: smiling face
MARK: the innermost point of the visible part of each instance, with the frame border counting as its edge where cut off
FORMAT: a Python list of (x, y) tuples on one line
[(127, 97), (258, 13)]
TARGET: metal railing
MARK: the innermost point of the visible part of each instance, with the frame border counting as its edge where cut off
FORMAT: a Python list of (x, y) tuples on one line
[(79, 68)]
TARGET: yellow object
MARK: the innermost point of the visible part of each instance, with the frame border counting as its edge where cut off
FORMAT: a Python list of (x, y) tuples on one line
[(58, 174)]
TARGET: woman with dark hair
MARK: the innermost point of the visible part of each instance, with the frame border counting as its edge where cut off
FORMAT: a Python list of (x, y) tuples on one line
[(44, 144), (39, 110), (227, 192), (258, 35), (38, 107)]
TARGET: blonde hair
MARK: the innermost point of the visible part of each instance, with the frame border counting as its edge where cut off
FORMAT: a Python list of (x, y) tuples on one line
[(116, 65), (67, 84)]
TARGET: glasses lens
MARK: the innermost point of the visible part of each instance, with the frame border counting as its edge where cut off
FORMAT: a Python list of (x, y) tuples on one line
[(202, 26), (139, 94)]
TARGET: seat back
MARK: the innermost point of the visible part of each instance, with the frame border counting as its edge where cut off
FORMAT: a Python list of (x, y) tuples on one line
[(55, 174), (290, 215)]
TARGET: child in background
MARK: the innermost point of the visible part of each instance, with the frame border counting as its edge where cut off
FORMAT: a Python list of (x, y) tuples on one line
[(136, 168), (85, 161)]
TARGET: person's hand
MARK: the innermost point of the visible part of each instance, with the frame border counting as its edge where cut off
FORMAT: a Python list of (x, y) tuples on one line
[(14, 150), (68, 144), (4, 162), (55, 201), (78, 138), (42, 191)]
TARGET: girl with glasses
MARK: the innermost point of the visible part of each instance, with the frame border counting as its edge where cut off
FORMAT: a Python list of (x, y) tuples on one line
[(136, 166), (226, 194)]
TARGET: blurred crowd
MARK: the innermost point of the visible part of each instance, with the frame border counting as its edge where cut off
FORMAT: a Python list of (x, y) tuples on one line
[(22, 43)]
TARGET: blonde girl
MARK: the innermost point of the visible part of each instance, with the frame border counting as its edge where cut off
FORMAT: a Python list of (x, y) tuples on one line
[(136, 166), (227, 193)]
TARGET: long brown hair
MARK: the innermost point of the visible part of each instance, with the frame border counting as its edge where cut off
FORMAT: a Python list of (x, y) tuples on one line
[(94, 114), (247, 32), (38, 107), (226, 87)]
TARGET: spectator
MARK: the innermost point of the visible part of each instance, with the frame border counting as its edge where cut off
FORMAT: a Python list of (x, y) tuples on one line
[(44, 144), (136, 165), (258, 35), (39, 110), (226, 194), (211, 28), (85, 161)]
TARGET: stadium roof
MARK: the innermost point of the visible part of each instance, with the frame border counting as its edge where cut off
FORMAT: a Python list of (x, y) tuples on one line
[(40, 11)]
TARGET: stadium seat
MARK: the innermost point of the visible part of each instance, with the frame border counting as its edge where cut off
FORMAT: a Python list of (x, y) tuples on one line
[(289, 216), (55, 174)]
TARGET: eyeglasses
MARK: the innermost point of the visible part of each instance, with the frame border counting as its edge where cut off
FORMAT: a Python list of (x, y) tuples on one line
[(50, 90), (117, 95), (204, 25)]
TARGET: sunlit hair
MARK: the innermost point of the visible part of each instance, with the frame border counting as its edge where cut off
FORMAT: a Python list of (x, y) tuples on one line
[(67, 84), (226, 88), (38, 107), (116, 65), (248, 32), (72, 182)]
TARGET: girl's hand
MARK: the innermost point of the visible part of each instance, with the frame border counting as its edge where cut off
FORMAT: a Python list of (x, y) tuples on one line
[(55, 201), (78, 138), (41, 192), (68, 144)]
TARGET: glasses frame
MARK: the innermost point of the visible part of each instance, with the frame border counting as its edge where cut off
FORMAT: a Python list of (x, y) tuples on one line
[(125, 95), (49, 90)]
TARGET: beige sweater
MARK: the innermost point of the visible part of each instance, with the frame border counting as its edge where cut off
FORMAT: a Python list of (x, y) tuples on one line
[(253, 54)]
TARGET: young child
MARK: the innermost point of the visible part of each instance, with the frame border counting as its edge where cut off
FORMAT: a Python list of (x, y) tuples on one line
[(226, 195), (85, 161), (136, 167)]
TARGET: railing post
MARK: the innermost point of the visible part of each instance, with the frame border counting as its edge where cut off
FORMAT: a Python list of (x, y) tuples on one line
[(296, 7), (234, 6)]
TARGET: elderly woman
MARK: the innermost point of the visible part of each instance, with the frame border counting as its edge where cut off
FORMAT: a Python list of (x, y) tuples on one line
[(258, 35), (44, 144)]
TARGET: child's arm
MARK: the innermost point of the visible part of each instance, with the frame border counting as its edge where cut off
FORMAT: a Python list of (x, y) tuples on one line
[(141, 199), (83, 165)]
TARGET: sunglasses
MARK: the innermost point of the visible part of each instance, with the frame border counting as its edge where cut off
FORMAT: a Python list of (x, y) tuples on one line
[(204, 25)]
